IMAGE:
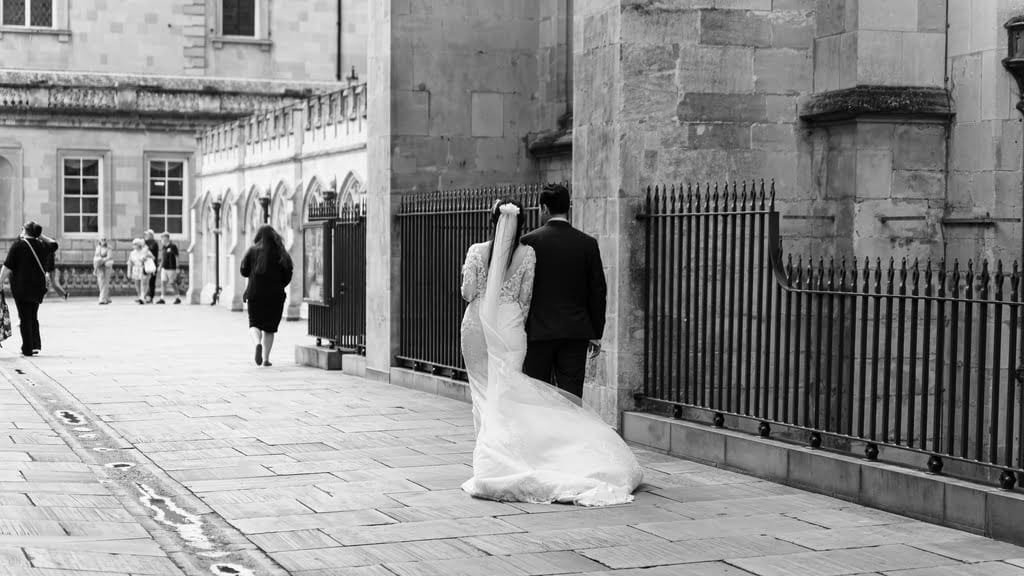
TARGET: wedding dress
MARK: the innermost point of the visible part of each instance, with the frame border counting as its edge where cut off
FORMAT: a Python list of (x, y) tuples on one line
[(533, 444)]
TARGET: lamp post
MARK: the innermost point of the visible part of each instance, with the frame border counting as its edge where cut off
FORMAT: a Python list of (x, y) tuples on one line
[(265, 205), (217, 205)]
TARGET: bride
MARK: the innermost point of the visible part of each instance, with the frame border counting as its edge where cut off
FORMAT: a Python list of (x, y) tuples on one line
[(534, 443)]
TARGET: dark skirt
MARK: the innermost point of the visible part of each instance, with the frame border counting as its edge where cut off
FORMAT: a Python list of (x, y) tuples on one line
[(265, 311)]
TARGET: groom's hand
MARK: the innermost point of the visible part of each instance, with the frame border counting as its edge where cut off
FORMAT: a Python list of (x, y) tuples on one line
[(594, 348)]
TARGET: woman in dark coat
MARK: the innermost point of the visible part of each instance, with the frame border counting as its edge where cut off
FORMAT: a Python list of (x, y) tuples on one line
[(268, 267)]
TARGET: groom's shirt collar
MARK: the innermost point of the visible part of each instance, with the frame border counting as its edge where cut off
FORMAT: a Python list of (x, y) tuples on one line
[(558, 219)]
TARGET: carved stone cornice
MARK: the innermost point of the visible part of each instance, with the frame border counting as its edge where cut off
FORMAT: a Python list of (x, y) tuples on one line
[(28, 97), (862, 101)]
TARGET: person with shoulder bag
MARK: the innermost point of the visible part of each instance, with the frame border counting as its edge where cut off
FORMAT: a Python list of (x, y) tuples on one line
[(24, 266), (49, 259)]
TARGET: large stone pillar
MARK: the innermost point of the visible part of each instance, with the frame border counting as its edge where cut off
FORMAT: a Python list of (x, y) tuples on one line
[(381, 257), (878, 121), (598, 202)]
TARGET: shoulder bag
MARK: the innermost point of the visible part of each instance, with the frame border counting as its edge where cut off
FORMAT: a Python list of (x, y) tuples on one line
[(5, 318), (46, 277)]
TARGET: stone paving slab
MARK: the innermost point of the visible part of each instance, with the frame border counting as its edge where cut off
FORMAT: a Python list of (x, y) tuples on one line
[(56, 516), (332, 475)]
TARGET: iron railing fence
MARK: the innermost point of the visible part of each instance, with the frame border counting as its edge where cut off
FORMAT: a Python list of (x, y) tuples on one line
[(919, 356), (341, 319), (437, 229)]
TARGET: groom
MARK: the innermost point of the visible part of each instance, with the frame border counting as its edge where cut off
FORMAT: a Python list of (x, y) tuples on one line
[(566, 320)]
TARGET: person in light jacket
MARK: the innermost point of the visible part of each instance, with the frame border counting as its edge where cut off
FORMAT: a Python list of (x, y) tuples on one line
[(141, 266), (103, 268)]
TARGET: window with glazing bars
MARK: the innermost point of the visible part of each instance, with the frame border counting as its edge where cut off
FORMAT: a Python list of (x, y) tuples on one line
[(167, 196), (238, 18), (81, 191), (33, 13)]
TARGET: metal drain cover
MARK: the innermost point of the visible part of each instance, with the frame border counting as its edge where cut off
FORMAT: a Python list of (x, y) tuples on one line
[(230, 570), (69, 416), (120, 465)]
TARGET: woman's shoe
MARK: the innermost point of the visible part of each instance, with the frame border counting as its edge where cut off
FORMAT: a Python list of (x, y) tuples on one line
[(259, 354), (267, 364)]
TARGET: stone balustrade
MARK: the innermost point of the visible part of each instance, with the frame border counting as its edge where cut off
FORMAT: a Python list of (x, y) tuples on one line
[(324, 122)]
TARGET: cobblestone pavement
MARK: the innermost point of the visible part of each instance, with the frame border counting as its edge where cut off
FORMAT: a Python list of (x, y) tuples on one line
[(290, 470)]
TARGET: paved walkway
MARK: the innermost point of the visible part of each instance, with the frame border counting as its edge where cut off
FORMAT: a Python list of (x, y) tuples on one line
[(289, 470)]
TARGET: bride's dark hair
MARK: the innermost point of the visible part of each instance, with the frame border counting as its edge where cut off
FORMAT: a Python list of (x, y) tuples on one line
[(520, 224)]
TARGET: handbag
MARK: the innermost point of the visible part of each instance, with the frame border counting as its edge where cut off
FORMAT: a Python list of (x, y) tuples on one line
[(46, 277), (5, 318), (149, 267)]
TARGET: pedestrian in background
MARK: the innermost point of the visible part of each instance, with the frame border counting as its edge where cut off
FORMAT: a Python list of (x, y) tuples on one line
[(269, 268), (103, 268), (141, 267), (154, 250), (28, 283), (168, 269)]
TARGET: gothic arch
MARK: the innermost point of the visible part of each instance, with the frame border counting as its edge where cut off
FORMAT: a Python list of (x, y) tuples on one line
[(351, 190), (314, 190), (252, 212)]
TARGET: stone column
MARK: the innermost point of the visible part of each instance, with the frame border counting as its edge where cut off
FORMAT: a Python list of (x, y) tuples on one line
[(381, 257), (598, 180), (878, 121)]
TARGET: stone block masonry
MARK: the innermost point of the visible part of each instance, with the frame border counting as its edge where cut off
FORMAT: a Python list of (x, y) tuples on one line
[(457, 89), (704, 90)]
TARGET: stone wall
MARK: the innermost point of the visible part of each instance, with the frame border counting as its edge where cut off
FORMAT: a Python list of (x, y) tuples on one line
[(985, 143), (355, 25), (882, 42), (455, 88), (669, 93), (35, 155), (181, 37)]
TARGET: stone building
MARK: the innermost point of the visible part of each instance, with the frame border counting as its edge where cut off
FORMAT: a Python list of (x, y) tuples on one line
[(101, 104), (888, 127)]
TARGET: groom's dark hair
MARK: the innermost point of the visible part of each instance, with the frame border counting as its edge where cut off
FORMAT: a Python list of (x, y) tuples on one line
[(556, 198)]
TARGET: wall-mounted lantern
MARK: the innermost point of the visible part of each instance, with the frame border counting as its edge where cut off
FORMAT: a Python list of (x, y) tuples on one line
[(331, 194), (1014, 61), (265, 206)]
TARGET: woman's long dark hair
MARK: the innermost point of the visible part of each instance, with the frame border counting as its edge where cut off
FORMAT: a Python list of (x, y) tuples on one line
[(269, 248), (520, 224)]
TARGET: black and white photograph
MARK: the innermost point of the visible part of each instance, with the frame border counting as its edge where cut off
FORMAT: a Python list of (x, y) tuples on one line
[(512, 288)]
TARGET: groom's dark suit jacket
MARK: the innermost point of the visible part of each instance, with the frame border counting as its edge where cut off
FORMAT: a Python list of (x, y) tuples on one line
[(569, 289)]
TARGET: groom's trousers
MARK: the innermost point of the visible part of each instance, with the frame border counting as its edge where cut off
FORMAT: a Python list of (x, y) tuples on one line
[(562, 363)]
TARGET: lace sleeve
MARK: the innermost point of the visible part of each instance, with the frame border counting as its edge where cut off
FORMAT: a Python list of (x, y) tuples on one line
[(526, 287), (470, 270)]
